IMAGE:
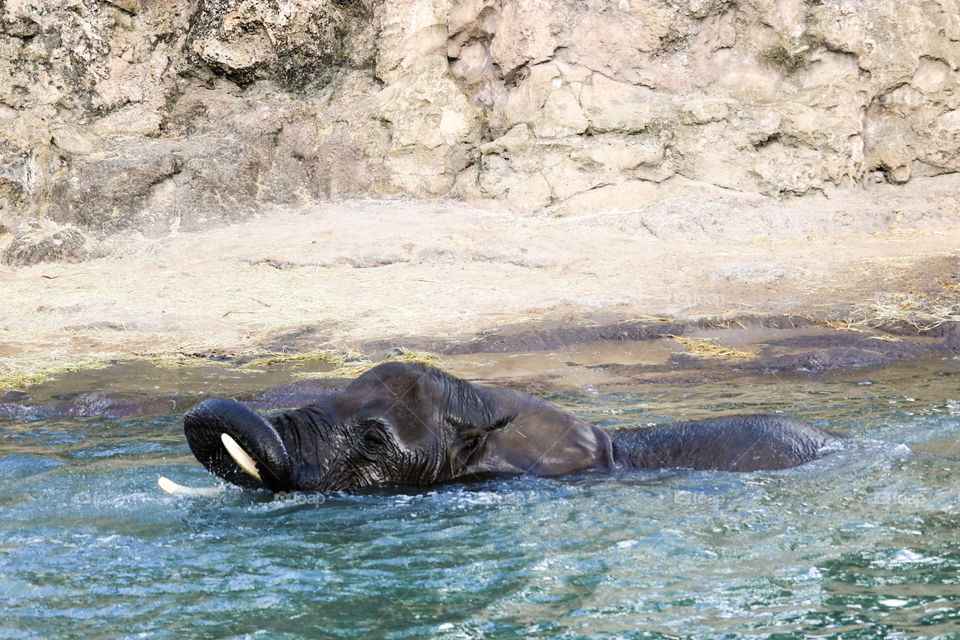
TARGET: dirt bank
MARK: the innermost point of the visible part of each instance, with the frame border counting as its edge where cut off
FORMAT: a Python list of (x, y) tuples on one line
[(375, 274)]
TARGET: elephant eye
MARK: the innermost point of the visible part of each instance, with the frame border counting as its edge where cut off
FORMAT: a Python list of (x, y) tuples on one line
[(373, 438)]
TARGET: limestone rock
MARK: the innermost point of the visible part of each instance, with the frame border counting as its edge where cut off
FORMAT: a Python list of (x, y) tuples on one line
[(39, 241), (152, 117), (533, 173), (297, 43), (772, 97), (409, 30), (15, 178)]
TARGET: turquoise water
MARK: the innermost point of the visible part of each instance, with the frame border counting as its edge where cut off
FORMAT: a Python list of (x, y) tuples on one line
[(864, 543)]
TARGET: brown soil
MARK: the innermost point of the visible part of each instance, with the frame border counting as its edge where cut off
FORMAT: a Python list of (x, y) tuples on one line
[(380, 272)]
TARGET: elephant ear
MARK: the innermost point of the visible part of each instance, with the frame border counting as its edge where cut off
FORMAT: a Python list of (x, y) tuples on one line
[(514, 433), (474, 414), (471, 438)]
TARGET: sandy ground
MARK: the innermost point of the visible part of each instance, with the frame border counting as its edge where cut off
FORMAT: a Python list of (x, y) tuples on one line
[(339, 275)]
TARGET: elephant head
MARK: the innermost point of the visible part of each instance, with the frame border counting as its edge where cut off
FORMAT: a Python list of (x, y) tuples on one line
[(397, 423)]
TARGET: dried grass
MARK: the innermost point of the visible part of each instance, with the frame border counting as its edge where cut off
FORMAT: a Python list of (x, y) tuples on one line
[(178, 360), (335, 358), (355, 368), (20, 379), (342, 364), (707, 348), (886, 338), (922, 311), (839, 325), (919, 310)]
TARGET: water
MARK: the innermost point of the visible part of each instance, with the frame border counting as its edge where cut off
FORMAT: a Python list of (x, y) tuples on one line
[(861, 544)]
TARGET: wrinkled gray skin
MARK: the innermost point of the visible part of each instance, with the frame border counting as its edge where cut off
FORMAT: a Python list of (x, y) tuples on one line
[(410, 424)]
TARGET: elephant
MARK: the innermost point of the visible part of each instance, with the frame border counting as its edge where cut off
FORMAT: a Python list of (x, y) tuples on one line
[(410, 424)]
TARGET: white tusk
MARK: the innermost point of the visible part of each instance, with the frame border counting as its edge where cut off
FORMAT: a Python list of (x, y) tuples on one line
[(240, 456), (172, 487)]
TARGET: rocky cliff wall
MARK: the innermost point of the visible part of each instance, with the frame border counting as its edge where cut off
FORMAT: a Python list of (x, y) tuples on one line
[(146, 116)]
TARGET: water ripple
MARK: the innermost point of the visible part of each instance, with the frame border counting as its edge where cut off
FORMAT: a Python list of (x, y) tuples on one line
[(861, 543)]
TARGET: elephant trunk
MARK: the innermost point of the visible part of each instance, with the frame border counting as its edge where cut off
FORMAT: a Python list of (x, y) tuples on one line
[(238, 445)]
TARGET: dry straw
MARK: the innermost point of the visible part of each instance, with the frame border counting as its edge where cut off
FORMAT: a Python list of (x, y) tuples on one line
[(707, 348)]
